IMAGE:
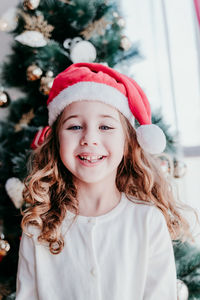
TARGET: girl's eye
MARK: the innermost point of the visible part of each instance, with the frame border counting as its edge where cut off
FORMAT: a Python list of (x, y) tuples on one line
[(76, 127), (104, 127)]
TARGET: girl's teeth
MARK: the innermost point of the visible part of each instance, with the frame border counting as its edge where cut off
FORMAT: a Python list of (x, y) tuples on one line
[(92, 158)]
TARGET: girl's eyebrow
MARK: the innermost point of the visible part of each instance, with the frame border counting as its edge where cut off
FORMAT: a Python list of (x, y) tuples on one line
[(101, 116), (70, 117)]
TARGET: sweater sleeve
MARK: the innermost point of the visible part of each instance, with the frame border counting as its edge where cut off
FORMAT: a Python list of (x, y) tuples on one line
[(26, 283), (161, 271)]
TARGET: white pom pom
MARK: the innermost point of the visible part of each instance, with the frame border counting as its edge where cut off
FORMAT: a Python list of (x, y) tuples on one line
[(151, 138), (14, 188)]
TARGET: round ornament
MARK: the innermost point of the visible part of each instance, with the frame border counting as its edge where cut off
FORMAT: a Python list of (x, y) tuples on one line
[(4, 247), (83, 51), (180, 169), (125, 43), (182, 290), (46, 83), (49, 73), (4, 98), (115, 14), (33, 73), (121, 22), (8, 21), (166, 163), (31, 4)]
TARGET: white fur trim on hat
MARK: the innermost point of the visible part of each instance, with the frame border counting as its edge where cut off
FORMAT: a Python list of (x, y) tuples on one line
[(151, 138), (87, 90)]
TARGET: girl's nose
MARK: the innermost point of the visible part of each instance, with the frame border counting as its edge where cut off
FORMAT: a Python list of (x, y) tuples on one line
[(89, 138)]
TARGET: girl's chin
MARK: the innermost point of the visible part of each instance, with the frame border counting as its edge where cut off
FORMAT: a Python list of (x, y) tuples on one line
[(87, 180), (91, 178)]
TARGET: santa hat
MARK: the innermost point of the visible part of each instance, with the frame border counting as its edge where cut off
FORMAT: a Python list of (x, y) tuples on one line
[(94, 81)]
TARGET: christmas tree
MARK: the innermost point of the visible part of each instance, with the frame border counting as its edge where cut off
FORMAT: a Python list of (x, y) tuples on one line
[(48, 36), (188, 270)]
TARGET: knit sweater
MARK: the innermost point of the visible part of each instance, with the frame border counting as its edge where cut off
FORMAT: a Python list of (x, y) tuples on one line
[(125, 254)]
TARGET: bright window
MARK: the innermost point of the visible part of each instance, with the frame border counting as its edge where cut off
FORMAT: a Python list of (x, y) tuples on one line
[(169, 72)]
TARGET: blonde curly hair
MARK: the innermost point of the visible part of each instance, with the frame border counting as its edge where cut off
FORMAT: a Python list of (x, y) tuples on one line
[(50, 191)]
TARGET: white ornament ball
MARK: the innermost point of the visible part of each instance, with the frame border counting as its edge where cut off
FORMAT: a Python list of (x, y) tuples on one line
[(31, 4), (31, 38), (8, 21), (67, 43), (125, 43), (83, 51), (180, 169), (121, 22), (151, 138), (182, 290), (14, 188)]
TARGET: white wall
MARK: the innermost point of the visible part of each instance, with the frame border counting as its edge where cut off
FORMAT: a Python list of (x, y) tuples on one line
[(170, 71)]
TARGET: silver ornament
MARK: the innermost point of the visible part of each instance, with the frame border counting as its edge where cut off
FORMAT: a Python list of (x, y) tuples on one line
[(115, 14), (46, 83), (182, 290), (31, 4), (4, 245), (180, 169), (33, 73), (8, 21), (49, 73), (4, 98), (125, 43), (121, 22)]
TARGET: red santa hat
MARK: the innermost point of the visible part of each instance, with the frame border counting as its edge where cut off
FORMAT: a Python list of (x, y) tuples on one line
[(94, 81)]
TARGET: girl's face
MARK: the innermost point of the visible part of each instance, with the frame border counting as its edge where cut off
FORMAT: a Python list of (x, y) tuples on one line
[(91, 140)]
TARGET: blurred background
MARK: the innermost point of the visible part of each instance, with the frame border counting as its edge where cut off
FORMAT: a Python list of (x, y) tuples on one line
[(159, 46)]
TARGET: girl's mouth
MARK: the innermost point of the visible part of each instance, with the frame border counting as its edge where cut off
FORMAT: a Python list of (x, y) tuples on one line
[(90, 160)]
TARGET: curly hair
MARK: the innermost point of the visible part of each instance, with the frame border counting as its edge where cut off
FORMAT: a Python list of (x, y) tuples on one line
[(50, 191)]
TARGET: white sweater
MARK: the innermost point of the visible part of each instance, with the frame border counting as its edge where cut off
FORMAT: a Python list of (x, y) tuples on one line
[(125, 254)]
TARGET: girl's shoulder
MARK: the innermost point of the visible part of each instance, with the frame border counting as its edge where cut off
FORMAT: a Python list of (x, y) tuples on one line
[(144, 209), (138, 204)]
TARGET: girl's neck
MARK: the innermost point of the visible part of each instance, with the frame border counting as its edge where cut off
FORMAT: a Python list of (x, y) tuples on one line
[(97, 199)]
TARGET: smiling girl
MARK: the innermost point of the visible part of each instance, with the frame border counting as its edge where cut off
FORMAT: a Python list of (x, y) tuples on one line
[(102, 215)]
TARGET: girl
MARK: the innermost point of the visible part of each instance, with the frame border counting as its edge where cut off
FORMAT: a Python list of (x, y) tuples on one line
[(102, 215)]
